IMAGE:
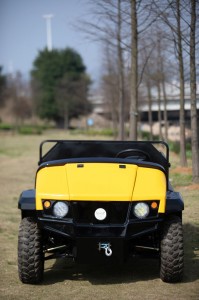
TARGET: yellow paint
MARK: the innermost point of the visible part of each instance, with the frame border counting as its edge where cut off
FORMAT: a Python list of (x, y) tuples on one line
[(150, 185), (51, 183), (100, 181)]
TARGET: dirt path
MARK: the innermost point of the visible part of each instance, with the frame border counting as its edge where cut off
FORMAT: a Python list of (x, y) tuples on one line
[(139, 279)]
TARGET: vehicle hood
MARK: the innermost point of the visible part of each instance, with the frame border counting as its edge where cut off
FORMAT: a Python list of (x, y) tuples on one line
[(100, 181)]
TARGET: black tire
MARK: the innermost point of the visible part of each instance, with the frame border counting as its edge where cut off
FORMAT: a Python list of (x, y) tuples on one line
[(172, 253), (30, 252)]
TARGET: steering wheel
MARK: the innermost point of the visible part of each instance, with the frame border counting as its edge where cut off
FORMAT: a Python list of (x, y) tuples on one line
[(134, 154)]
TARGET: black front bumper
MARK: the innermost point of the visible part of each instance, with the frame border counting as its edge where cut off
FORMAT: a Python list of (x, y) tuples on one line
[(85, 239), (129, 230)]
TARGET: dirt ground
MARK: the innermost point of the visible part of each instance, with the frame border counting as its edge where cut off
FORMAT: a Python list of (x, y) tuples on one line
[(138, 279)]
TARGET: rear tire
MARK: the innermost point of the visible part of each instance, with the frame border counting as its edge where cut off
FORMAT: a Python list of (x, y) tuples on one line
[(172, 254), (30, 252)]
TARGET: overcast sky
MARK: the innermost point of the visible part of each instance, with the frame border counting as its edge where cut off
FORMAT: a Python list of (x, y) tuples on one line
[(23, 32)]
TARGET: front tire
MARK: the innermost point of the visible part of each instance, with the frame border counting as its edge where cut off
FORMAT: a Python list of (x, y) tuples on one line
[(30, 252), (172, 254)]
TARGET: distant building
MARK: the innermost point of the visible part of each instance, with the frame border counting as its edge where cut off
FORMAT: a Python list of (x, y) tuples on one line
[(97, 101), (172, 106)]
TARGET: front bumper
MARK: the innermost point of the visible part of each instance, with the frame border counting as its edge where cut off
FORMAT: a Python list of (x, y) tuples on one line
[(86, 241), (120, 221), (129, 230)]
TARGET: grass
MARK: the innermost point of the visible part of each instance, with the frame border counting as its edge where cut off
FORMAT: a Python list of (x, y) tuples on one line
[(23, 129), (178, 179), (139, 279)]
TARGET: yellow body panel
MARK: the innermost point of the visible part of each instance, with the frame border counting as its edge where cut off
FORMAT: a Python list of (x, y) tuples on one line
[(100, 181), (51, 183), (150, 185)]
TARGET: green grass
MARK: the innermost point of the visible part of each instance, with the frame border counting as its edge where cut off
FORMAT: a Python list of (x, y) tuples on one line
[(108, 132), (64, 280), (5, 126), (29, 130), (24, 129), (180, 179)]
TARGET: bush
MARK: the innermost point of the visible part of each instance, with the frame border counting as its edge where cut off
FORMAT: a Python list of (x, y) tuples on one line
[(145, 135), (93, 132), (4, 126), (30, 130), (174, 147)]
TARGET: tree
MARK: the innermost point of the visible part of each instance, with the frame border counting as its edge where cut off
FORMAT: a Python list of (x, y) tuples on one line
[(109, 87), (2, 86), (183, 159), (133, 120), (194, 120), (18, 98), (50, 69), (120, 72), (71, 97), (171, 13), (108, 28)]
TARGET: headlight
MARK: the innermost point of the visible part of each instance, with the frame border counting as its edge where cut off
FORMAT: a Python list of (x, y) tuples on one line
[(141, 210), (60, 209), (100, 214)]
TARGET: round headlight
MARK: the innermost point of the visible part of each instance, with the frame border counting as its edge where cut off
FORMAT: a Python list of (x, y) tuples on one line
[(60, 209), (100, 214), (141, 210)]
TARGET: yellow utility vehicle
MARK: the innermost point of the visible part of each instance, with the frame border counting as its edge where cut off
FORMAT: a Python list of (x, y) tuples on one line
[(100, 202)]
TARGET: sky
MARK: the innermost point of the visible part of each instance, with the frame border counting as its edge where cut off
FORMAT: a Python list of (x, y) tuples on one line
[(23, 33)]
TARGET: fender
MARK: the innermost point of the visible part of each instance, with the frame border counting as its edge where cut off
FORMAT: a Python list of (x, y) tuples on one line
[(27, 200), (174, 202)]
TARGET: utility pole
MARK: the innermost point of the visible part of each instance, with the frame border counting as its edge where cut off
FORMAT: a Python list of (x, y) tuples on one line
[(48, 30)]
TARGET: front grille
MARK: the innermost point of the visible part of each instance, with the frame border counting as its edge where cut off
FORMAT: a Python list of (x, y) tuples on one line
[(83, 212)]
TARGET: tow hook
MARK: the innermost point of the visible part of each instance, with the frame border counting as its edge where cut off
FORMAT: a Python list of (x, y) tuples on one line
[(106, 247)]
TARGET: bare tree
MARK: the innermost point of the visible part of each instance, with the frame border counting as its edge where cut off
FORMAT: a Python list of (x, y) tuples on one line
[(150, 115), (19, 98), (2, 87), (133, 120), (120, 72), (163, 83), (108, 29), (183, 159), (194, 119), (110, 87)]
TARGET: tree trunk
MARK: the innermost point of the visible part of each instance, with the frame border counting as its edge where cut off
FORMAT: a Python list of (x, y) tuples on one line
[(159, 79), (159, 110), (112, 94), (121, 75), (133, 121), (183, 159), (150, 109), (165, 111), (164, 99), (65, 116), (194, 127), (114, 121)]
